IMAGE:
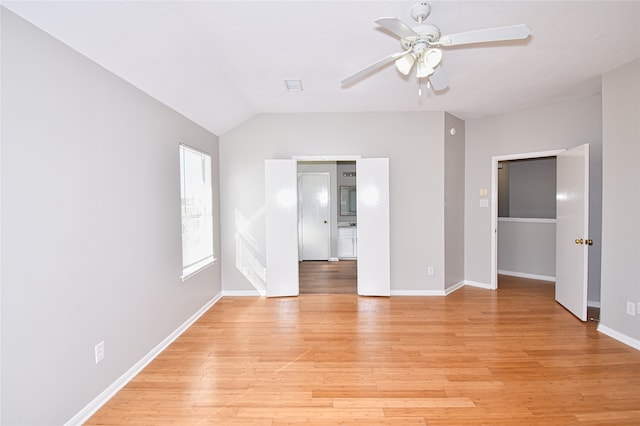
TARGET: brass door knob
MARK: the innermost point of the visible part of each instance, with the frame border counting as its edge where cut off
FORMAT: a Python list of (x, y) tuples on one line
[(580, 241), (589, 242)]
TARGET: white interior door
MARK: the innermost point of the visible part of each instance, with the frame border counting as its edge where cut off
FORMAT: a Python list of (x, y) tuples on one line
[(572, 230), (314, 216), (372, 181), (281, 223)]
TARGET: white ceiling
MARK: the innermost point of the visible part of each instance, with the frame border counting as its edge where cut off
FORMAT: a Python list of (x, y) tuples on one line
[(221, 62)]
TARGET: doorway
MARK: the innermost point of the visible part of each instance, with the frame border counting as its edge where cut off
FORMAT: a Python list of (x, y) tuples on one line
[(527, 218), (495, 202), (572, 222), (327, 220), (526, 227), (281, 222)]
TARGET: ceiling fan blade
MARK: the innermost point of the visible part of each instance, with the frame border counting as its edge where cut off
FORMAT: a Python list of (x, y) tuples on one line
[(397, 27), (382, 62), (511, 32), (439, 79)]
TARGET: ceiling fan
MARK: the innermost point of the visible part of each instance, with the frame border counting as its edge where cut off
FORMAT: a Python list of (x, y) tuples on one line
[(422, 46)]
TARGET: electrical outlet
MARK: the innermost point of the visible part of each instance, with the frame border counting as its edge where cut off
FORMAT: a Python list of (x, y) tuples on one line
[(99, 351), (631, 309), (430, 270)]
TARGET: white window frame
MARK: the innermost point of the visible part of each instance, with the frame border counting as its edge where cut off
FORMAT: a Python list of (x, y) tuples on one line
[(196, 215)]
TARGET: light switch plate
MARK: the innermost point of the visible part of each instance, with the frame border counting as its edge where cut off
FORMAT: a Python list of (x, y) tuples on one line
[(631, 309)]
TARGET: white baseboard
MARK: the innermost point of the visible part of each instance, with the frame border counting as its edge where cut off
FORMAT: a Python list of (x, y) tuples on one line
[(334, 259), (526, 275), (241, 293), (634, 343), (429, 293), (478, 284), (453, 288), (418, 293), (110, 391)]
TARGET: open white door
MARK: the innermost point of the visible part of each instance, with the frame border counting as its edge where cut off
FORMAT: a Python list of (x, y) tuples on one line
[(572, 230), (372, 181), (281, 222)]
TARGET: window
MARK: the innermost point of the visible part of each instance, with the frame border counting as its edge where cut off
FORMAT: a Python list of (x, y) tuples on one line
[(197, 210)]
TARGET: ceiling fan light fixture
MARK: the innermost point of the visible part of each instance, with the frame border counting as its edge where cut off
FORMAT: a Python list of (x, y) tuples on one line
[(405, 63), (421, 43), (428, 61), (432, 57), (424, 70)]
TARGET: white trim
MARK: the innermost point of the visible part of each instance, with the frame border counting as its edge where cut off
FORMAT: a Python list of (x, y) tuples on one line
[(448, 291), (91, 408), (209, 262), (418, 293), (526, 275), (334, 259), (526, 220), (326, 157), (478, 285), (241, 293), (634, 343), (494, 202), (373, 230)]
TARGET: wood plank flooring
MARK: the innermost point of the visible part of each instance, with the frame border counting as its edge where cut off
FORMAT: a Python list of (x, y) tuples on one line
[(476, 357), (322, 277)]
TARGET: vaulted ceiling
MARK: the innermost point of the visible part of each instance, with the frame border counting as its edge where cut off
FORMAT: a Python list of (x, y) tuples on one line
[(221, 62)]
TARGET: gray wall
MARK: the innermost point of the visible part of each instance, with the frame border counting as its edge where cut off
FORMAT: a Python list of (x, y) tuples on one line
[(556, 126), (91, 245), (454, 201), (527, 248), (621, 199), (414, 144), (527, 188), (532, 188)]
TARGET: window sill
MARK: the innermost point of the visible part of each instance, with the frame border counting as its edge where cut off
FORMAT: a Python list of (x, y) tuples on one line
[(202, 267)]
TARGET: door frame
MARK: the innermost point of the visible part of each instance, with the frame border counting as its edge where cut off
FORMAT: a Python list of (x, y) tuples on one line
[(320, 159), (494, 202), (357, 159)]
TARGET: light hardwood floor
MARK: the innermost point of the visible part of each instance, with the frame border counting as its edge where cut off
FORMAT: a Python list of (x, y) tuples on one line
[(322, 277), (476, 357)]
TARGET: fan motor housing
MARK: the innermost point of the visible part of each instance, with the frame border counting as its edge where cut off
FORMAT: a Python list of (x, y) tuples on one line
[(428, 33)]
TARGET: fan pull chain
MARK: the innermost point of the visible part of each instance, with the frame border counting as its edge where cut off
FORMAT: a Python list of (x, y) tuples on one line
[(420, 86)]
